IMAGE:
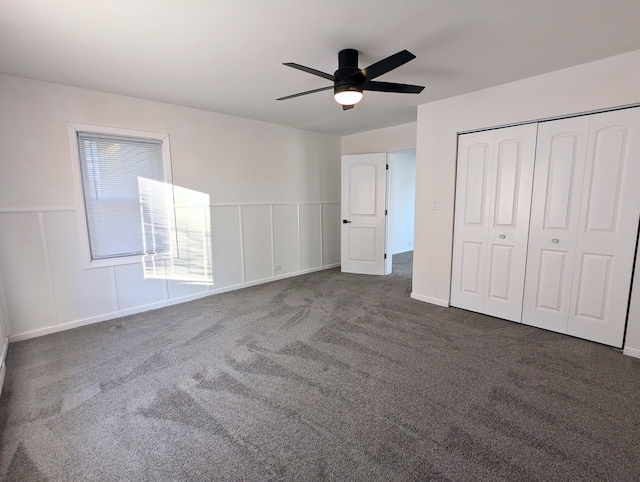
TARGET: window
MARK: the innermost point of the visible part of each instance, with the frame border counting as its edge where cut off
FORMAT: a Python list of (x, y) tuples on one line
[(127, 197)]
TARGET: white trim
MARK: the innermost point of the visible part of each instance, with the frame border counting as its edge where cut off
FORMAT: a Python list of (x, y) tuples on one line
[(426, 299), (139, 309), (3, 370), (553, 118), (38, 209), (47, 265), (634, 352), (243, 266), (273, 240), (321, 234), (44, 209), (62, 327), (72, 134), (300, 236), (5, 349)]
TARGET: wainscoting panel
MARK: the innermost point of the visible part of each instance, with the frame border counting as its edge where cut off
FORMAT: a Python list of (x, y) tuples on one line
[(27, 284), (330, 233), (79, 293), (310, 236), (190, 273), (226, 245), (140, 285), (258, 248), (285, 239), (221, 248)]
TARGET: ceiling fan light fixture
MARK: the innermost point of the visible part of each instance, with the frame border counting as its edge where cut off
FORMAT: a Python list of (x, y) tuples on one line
[(348, 94)]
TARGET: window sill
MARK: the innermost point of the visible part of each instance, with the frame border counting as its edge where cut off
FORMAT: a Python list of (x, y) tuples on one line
[(146, 258)]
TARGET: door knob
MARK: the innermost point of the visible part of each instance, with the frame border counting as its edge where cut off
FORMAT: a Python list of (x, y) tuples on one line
[(344, 221), (555, 240), (502, 236)]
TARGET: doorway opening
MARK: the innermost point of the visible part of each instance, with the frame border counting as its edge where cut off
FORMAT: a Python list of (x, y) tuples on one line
[(401, 201)]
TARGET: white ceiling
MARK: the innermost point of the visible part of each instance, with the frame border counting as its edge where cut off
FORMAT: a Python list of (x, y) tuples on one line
[(226, 55)]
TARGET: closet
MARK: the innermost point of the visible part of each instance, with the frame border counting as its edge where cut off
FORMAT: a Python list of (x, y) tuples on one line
[(579, 235), (493, 199)]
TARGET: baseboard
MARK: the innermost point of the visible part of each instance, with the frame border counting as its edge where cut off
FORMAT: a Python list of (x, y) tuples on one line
[(3, 369), (426, 299), (634, 352), (154, 306), (5, 348)]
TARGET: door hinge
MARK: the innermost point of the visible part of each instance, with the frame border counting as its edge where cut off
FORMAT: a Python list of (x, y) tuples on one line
[(386, 212), (387, 167), (385, 255)]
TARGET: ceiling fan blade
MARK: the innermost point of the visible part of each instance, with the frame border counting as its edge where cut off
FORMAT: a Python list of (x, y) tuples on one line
[(393, 87), (305, 93), (309, 70), (347, 107), (385, 65)]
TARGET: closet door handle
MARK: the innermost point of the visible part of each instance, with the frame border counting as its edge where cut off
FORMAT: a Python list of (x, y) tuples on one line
[(502, 236), (555, 240)]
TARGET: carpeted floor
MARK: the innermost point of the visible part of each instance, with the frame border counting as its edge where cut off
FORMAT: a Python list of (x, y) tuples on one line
[(322, 376)]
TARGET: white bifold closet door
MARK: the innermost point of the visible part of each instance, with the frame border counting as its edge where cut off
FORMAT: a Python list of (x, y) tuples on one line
[(493, 200), (584, 224)]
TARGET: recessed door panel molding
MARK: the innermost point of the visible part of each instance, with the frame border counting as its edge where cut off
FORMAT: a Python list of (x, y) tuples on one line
[(471, 281), (593, 284), (552, 272), (608, 227), (362, 189), (475, 185), (500, 269), (508, 166), (560, 179), (363, 224), (555, 209), (362, 244), (607, 158)]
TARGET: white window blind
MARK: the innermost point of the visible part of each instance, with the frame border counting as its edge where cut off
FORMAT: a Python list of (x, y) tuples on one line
[(128, 204)]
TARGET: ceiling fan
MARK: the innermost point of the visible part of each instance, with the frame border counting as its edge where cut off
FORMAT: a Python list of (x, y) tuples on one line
[(349, 80)]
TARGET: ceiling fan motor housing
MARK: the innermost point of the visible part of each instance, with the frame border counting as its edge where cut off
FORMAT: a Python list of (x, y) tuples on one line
[(347, 66)]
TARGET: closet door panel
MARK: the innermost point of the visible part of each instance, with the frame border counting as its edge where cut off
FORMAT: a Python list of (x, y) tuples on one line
[(475, 153), (509, 209), (557, 190), (608, 228)]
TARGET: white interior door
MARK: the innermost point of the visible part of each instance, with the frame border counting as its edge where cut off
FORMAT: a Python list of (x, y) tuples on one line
[(475, 158), (511, 184), (363, 237), (493, 200), (607, 229), (555, 211)]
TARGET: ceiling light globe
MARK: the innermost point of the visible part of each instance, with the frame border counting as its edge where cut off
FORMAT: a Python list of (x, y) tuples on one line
[(348, 95)]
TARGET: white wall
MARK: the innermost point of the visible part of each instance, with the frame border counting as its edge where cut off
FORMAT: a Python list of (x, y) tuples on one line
[(596, 85), (273, 202), (402, 200), (389, 139)]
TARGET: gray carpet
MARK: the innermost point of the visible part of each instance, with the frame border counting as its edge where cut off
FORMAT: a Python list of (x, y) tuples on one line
[(325, 376)]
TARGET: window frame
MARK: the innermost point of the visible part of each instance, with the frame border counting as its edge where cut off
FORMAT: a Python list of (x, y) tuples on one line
[(73, 129)]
